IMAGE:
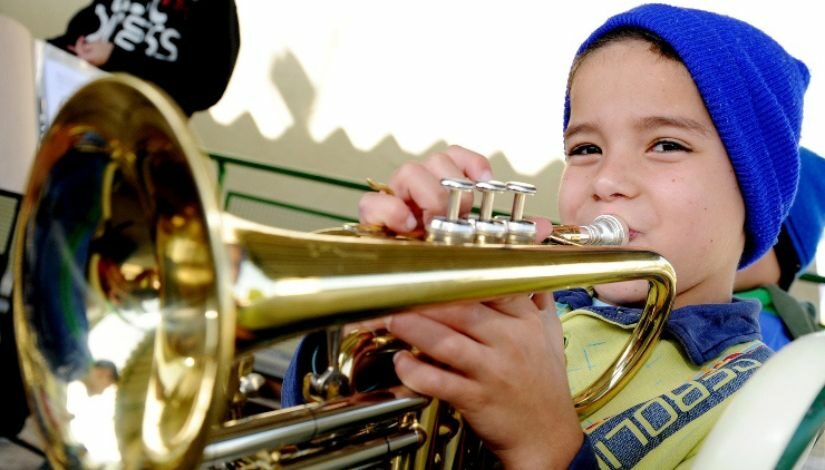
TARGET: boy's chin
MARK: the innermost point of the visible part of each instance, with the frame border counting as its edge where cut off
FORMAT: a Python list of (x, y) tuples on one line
[(628, 293)]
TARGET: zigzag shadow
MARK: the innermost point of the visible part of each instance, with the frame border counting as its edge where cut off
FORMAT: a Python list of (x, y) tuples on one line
[(336, 155)]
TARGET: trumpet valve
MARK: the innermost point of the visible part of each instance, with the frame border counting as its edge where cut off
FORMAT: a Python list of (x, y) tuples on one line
[(520, 231), (489, 230), (451, 229)]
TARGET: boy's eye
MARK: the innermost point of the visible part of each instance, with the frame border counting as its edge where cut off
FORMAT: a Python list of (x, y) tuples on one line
[(585, 149), (668, 146)]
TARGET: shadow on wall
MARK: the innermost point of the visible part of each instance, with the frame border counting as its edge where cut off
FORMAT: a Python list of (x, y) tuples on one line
[(335, 156)]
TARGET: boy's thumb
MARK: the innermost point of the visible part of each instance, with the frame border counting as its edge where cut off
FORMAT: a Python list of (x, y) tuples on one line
[(543, 228)]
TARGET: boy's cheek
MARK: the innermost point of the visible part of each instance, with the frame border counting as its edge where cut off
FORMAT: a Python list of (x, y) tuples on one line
[(576, 209), (572, 196), (566, 213)]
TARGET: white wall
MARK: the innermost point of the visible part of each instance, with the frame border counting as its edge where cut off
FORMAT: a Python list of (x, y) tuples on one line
[(488, 75), (44, 18), (352, 88)]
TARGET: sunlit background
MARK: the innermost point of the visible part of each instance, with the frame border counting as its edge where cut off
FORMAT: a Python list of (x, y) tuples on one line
[(489, 76), (350, 89), (486, 75)]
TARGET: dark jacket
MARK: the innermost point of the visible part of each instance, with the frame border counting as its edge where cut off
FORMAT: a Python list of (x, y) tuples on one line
[(186, 47)]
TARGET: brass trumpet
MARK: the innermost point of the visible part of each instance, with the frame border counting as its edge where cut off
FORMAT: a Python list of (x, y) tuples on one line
[(123, 255)]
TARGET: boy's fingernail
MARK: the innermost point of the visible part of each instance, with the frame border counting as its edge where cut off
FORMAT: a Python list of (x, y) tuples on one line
[(397, 357), (387, 323), (487, 176), (411, 223)]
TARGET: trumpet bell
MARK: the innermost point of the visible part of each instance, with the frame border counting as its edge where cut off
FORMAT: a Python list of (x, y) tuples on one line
[(121, 275)]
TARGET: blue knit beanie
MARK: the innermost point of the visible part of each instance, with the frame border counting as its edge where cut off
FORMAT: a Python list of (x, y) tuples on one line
[(753, 90), (802, 229)]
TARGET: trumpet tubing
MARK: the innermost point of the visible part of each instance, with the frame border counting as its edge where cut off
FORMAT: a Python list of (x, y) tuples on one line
[(123, 258)]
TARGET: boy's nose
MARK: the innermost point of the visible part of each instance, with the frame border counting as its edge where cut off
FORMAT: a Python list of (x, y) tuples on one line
[(615, 178)]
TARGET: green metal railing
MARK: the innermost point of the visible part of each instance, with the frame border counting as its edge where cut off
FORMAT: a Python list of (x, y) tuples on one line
[(223, 161), (813, 277), (284, 205)]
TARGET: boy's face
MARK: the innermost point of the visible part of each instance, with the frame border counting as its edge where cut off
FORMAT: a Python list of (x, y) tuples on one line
[(641, 145)]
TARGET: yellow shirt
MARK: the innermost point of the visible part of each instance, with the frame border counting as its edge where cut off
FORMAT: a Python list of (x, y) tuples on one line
[(661, 417)]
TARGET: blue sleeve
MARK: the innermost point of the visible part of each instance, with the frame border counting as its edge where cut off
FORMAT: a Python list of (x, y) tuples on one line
[(774, 332), (585, 458), (301, 364)]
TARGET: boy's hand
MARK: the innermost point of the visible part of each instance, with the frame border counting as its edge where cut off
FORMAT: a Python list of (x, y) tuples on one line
[(418, 192), (500, 362), (502, 367)]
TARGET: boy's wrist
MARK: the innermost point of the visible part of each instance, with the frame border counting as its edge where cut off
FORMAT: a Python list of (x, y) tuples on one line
[(557, 452)]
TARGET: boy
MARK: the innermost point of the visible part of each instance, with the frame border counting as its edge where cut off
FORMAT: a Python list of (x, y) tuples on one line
[(685, 124)]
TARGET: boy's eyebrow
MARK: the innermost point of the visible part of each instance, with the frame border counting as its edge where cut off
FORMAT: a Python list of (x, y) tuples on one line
[(652, 122), (583, 127)]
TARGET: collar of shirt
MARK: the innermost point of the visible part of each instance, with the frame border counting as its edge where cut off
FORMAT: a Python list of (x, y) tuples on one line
[(703, 331)]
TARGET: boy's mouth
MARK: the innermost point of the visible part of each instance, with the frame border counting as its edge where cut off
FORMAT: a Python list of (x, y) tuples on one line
[(632, 234)]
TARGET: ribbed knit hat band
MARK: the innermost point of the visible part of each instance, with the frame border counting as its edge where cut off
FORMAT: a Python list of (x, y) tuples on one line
[(806, 219), (753, 90)]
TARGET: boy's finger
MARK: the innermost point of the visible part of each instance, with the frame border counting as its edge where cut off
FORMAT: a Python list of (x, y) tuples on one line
[(519, 306), (420, 188), (430, 380), (472, 164), (543, 228), (544, 301), (438, 341), (386, 210), (443, 166), (483, 322)]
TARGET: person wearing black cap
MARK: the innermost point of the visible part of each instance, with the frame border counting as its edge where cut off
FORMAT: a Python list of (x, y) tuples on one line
[(188, 48), (783, 317)]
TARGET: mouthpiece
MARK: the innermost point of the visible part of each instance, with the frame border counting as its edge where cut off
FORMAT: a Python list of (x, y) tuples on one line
[(606, 230)]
